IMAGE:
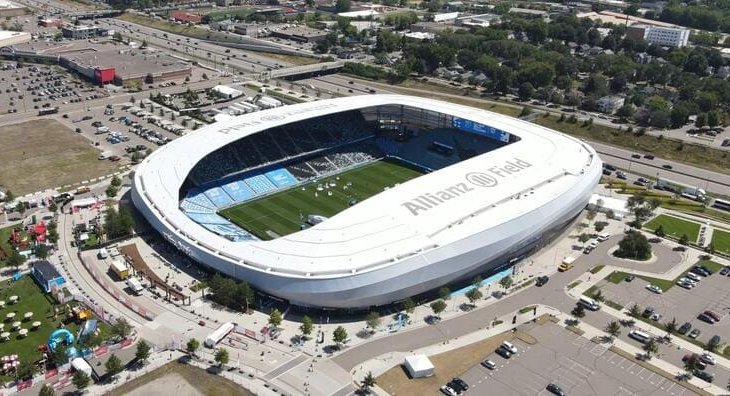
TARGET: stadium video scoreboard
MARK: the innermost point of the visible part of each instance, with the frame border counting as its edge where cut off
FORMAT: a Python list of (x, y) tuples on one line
[(480, 129)]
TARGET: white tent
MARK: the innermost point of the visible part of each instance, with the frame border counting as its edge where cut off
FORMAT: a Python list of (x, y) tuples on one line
[(419, 366), (617, 205)]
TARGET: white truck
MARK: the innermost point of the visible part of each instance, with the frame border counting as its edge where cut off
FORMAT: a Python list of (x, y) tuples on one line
[(690, 192), (135, 286), (218, 334)]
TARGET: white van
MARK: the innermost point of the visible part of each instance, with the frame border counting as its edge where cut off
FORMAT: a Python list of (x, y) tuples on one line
[(589, 303), (603, 237), (640, 336), (509, 346), (104, 155)]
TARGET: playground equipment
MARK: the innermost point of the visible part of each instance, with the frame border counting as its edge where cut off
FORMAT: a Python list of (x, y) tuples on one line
[(78, 313), (60, 335)]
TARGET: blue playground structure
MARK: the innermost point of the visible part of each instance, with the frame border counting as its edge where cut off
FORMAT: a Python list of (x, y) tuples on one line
[(60, 335)]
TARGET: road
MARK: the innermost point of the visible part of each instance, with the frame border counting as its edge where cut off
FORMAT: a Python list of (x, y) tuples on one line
[(244, 61)]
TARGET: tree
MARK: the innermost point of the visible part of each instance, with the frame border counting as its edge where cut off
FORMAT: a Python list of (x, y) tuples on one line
[(339, 336), (474, 295), (634, 311), (526, 91), (373, 321), (47, 390), (111, 191), (660, 231), (307, 326), (20, 208), (192, 346), (613, 328), (506, 282), (26, 369), (437, 307), (713, 119), (41, 251), (583, 237), (118, 36), (651, 348), (713, 344), (408, 305), (671, 327), (367, 383), (275, 318), (692, 364), (80, 380), (15, 259), (143, 351), (121, 328), (113, 365), (598, 296), (9, 196), (634, 246), (53, 207), (684, 240), (444, 293), (701, 120), (578, 311), (221, 356), (343, 5)]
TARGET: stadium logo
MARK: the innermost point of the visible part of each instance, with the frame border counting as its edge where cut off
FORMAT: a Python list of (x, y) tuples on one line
[(272, 117), (480, 179), (424, 202)]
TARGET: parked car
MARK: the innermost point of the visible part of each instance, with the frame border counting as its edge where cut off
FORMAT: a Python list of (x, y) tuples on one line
[(694, 333), (706, 318), (701, 365), (448, 391), (461, 385), (509, 346), (648, 311), (685, 284), (667, 166), (705, 376), (654, 288), (503, 352), (685, 328), (489, 364), (637, 156), (713, 315), (725, 271), (649, 156), (707, 358), (541, 280), (629, 277), (555, 389)]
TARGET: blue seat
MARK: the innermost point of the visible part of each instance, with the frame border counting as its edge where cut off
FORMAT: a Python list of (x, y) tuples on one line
[(218, 197), (281, 177), (260, 184), (238, 190)]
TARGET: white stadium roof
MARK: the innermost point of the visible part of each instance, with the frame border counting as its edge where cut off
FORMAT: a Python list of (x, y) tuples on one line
[(430, 211)]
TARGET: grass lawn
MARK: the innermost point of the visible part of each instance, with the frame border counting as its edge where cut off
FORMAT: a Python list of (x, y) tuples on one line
[(675, 226), (702, 156), (596, 269), (618, 276), (279, 214), (43, 153), (721, 240), (4, 244), (202, 381)]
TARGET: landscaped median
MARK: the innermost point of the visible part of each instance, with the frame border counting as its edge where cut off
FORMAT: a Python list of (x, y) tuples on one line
[(721, 241)]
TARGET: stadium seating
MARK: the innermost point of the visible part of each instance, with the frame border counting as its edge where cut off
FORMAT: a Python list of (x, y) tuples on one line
[(189, 207), (238, 190), (197, 197), (230, 232), (301, 171), (260, 184), (281, 177), (207, 218), (218, 197)]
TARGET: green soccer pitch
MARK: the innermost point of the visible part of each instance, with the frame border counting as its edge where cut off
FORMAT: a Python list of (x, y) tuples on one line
[(284, 212)]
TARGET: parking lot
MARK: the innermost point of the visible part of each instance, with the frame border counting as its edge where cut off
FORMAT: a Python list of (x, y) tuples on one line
[(711, 293), (32, 88), (577, 365)]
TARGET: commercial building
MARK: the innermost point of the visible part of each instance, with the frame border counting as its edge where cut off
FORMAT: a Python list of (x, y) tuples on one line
[(482, 20), (9, 9), (46, 275), (659, 35), (80, 32), (9, 38), (521, 185), (300, 34), (51, 22)]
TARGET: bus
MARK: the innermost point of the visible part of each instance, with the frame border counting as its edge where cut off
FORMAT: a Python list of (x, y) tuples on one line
[(721, 204), (50, 110)]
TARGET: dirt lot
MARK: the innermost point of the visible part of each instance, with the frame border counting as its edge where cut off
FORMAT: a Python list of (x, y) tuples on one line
[(446, 366), (43, 153), (182, 380)]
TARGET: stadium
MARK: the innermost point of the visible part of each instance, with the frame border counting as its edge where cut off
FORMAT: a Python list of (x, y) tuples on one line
[(364, 201)]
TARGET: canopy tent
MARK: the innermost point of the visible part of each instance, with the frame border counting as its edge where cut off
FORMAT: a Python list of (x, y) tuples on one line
[(419, 366)]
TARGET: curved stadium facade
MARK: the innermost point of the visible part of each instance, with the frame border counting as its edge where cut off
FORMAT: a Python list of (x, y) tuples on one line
[(367, 200)]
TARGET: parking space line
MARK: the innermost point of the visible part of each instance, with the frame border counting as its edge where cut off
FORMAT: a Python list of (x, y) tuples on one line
[(598, 350)]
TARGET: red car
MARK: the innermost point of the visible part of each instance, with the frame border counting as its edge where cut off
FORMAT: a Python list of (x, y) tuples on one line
[(115, 158), (698, 362), (713, 315)]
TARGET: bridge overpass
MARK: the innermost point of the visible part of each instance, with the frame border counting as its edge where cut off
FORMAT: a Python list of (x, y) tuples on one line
[(306, 71)]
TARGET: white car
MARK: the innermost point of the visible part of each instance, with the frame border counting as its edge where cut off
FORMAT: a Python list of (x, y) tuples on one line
[(685, 285), (707, 358), (447, 390), (654, 288), (693, 276), (687, 280)]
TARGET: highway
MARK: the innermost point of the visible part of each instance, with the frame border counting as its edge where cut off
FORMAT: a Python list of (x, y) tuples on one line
[(244, 61)]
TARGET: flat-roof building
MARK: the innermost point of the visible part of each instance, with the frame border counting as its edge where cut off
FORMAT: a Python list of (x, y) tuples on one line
[(8, 38), (659, 35), (77, 32)]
